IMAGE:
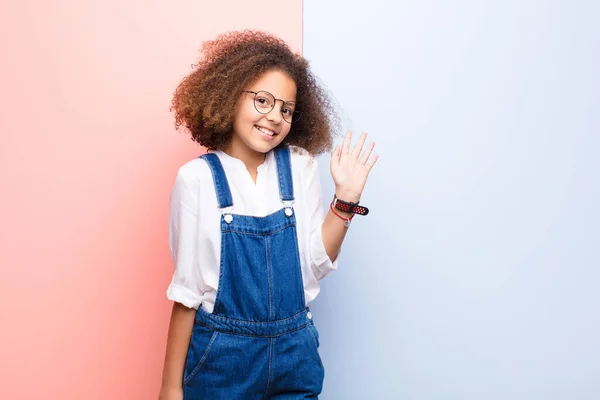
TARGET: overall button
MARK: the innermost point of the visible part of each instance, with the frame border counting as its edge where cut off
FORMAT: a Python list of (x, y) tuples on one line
[(288, 212), (309, 315), (228, 218)]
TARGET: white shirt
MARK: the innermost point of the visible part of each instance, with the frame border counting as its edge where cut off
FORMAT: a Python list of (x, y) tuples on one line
[(195, 230)]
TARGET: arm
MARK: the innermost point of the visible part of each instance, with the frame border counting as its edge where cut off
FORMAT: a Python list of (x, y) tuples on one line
[(180, 331), (333, 231), (349, 171), (184, 289)]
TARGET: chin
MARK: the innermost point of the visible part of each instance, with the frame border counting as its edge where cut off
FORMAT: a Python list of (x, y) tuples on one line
[(265, 147)]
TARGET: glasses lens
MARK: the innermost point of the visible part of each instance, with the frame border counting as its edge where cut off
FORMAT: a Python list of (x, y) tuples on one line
[(264, 102), (296, 116), (288, 112)]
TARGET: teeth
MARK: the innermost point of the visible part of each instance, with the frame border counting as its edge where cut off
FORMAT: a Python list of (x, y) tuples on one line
[(265, 131)]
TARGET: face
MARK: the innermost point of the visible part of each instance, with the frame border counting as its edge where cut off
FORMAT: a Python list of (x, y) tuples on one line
[(256, 133)]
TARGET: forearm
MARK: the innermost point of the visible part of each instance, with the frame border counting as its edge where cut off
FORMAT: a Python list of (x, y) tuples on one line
[(178, 340), (334, 229)]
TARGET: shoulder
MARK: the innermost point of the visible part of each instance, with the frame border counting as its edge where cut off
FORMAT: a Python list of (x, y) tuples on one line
[(194, 173)]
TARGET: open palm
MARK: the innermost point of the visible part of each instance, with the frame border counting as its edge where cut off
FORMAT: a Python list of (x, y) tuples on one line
[(350, 169)]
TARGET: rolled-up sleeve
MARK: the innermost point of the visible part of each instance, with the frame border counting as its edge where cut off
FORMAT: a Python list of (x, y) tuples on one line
[(320, 261), (183, 239)]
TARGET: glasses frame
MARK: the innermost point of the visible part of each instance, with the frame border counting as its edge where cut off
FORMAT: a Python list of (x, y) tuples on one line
[(295, 116)]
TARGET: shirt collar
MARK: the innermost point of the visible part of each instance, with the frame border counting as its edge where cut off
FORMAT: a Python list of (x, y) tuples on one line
[(239, 164)]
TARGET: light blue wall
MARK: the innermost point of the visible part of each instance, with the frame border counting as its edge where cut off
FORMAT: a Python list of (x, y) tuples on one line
[(477, 274)]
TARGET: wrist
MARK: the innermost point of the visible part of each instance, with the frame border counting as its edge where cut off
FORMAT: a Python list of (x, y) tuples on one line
[(347, 195), (351, 208), (170, 392), (169, 387), (342, 215)]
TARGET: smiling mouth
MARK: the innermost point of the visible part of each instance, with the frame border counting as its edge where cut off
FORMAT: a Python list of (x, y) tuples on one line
[(266, 131)]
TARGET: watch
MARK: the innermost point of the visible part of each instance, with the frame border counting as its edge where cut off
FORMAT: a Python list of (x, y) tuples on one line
[(349, 207)]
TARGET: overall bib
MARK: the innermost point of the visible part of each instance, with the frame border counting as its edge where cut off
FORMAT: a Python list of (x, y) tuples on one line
[(260, 341)]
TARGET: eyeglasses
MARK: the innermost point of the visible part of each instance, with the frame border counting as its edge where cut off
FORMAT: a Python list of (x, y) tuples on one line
[(264, 102)]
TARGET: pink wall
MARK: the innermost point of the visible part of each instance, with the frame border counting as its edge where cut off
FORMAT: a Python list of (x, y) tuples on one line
[(87, 159)]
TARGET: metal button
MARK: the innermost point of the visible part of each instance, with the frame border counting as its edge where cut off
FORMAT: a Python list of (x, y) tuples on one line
[(309, 315), (228, 218), (288, 212)]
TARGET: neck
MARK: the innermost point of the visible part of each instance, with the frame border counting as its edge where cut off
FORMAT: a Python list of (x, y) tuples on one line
[(252, 159)]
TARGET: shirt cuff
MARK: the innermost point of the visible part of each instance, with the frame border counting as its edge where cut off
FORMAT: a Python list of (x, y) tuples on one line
[(321, 264), (184, 296)]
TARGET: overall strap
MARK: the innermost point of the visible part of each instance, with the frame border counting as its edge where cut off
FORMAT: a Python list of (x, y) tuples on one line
[(284, 173), (220, 180)]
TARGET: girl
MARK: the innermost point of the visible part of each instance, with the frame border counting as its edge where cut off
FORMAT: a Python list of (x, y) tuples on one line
[(248, 232)]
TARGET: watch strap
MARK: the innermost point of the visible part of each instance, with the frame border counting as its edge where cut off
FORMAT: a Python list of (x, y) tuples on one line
[(349, 207)]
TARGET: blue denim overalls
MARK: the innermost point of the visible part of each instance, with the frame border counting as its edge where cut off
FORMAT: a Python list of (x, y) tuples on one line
[(260, 341)]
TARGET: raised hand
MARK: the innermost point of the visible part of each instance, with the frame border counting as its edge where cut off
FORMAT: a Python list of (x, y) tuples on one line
[(350, 169)]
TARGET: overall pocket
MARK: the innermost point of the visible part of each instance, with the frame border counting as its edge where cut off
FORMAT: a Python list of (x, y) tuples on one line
[(201, 342), (314, 333)]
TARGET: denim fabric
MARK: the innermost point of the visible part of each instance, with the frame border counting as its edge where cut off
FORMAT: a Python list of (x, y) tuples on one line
[(260, 341)]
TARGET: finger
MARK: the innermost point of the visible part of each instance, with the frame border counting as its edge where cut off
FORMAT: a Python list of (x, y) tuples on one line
[(346, 144), (359, 145), (367, 153), (371, 162)]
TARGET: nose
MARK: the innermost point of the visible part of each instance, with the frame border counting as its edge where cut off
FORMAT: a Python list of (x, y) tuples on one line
[(275, 114)]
